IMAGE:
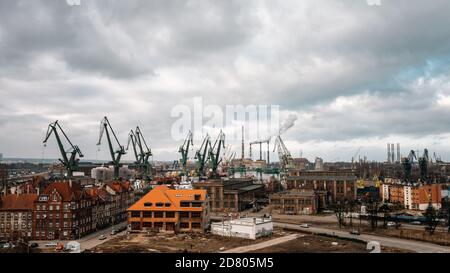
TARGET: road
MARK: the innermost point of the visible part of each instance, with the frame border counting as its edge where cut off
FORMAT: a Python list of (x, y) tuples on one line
[(91, 240), (265, 244), (415, 246)]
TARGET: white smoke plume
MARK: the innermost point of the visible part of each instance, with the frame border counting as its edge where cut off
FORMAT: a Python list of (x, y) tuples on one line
[(288, 124)]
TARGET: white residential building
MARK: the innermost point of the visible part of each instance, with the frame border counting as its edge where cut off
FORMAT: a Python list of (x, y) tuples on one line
[(248, 228)]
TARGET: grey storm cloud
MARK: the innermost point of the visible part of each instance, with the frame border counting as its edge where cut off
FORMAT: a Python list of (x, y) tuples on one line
[(346, 69)]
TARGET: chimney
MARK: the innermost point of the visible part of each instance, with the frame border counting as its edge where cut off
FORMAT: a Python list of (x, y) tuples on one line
[(70, 183), (37, 189), (389, 153), (392, 153)]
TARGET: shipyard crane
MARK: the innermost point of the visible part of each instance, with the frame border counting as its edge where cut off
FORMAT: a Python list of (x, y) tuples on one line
[(116, 155), (184, 150), (132, 139), (407, 163), (71, 163), (283, 153), (214, 152), (202, 156), (144, 154), (423, 165), (356, 154)]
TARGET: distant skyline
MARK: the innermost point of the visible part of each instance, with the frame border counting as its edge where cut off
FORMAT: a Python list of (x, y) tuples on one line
[(355, 75)]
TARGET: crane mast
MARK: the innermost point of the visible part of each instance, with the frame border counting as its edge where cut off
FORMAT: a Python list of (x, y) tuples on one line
[(70, 163), (144, 154), (184, 150), (105, 127), (283, 154), (201, 156), (214, 152)]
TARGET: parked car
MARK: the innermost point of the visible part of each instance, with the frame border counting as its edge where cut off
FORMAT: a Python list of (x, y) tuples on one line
[(7, 245), (34, 245), (355, 232), (51, 244), (417, 223), (59, 247), (391, 224), (304, 226), (102, 237), (113, 232)]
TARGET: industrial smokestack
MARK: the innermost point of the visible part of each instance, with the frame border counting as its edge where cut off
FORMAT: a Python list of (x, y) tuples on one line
[(398, 153), (242, 144), (392, 153), (389, 153)]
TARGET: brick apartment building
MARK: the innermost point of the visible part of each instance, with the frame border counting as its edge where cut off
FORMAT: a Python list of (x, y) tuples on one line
[(337, 185), (101, 207), (122, 197), (63, 211), (294, 202), (232, 194), (165, 209), (413, 196), (16, 216)]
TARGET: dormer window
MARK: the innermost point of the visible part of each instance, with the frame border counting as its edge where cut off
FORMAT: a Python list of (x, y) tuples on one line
[(159, 204), (148, 204), (167, 204)]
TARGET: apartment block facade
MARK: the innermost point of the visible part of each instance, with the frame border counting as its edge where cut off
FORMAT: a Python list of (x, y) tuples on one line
[(165, 209)]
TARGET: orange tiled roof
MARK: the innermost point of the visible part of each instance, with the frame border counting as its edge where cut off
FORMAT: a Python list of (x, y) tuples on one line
[(162, 194), (18, 202), (118, 186)]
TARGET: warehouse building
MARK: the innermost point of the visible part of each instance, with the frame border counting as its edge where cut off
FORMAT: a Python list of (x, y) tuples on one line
[(231, 194)]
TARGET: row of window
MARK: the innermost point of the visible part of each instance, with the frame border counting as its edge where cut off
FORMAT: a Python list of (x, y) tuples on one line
[(16, 225), (166, 214), (183, 225)]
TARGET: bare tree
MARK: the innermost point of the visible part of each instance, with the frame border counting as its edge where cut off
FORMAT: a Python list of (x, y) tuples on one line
[(431, 218), (339, 210), (373, 211), (445, 212)]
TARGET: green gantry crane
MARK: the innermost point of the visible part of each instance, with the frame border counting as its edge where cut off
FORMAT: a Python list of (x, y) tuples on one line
[(214, 153), (71, 163), (116, 155), (144, 154), (184, 150), (201, 156)]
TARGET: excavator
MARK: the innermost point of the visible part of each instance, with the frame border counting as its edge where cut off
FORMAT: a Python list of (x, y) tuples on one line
[(70, 163)]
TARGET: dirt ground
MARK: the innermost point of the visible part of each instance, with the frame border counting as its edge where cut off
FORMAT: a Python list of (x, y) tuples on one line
[(321, 244), (195, 243), (142, 243)]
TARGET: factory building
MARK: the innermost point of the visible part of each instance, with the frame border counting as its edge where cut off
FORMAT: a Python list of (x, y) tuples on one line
[(164, 209), (338, 185), (295, 202), (231, 194)]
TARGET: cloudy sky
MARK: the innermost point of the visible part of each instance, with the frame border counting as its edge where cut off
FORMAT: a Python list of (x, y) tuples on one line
[(355, 75)]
